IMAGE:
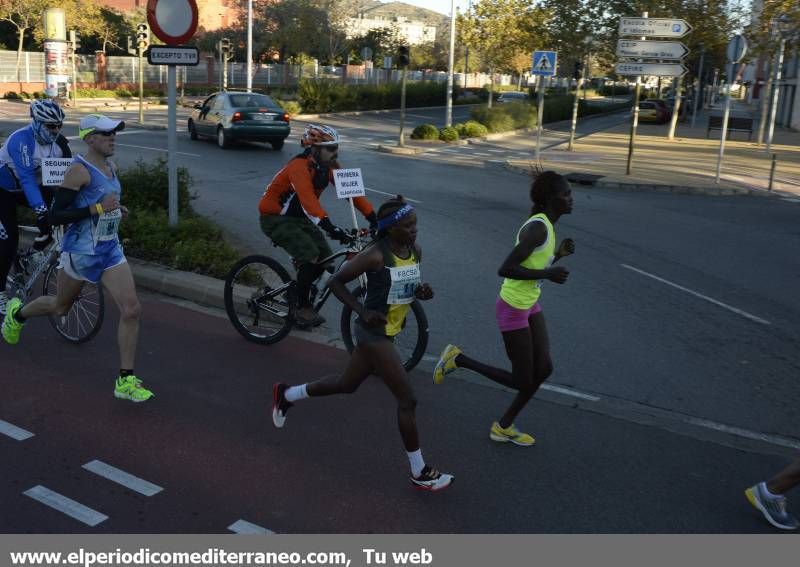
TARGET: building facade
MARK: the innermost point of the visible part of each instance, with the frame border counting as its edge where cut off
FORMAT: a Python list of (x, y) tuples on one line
[(212, 14)]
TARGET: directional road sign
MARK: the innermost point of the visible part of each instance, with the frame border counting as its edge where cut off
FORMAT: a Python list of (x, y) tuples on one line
[(671, 50), (544, 63), (651, 69), (654, 27)]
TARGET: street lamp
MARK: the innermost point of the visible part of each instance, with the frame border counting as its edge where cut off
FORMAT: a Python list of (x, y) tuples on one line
[(782, 24)]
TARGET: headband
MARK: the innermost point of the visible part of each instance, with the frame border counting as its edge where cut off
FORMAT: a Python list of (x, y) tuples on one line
[(403, 211)]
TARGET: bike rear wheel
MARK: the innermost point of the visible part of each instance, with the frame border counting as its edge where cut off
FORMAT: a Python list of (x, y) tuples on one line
[(260, 299), (85, 317), (411, 342)]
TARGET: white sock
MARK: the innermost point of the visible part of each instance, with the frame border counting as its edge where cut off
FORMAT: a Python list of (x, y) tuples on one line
[(416, 462), (296, 393)]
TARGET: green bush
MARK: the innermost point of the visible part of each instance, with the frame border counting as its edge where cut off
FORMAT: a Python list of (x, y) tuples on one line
[(617, 90), (145, 186), (11, 95), (196, 244), (471, 129), (425, 132), (505, 117), (122, 93), (448, 134), (290, 106), (317, 95)]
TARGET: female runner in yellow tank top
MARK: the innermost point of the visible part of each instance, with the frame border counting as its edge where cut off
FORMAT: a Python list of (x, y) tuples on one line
[(519, 314)]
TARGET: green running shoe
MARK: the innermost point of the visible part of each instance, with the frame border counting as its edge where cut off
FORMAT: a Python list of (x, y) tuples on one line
[(130, 388), (11, 327)]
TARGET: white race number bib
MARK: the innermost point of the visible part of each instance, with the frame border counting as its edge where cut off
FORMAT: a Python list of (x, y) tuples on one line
[(405, 280)]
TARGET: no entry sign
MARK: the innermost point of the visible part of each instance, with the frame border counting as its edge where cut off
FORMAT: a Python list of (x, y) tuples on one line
[(172, 21)]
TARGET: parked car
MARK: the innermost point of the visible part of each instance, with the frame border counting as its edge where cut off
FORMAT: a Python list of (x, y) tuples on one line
[(651, 112), (512, 96), (230, 115), (663, 105)]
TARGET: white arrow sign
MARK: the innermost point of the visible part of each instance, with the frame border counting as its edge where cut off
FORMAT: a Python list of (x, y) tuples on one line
[(654, 27), (652, 49), (651, 69)]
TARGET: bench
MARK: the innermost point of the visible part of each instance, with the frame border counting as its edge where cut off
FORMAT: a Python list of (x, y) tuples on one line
[(735, 124)]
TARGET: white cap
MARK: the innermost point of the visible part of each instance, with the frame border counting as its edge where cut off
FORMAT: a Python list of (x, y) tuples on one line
[(98, 123)]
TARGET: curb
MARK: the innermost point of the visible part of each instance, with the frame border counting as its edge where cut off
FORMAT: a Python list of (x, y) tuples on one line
[(147, 126), (651, 187), (404, 151), (360, 112), (197, 288)]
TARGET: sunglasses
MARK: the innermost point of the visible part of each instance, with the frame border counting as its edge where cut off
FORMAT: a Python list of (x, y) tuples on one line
[(54, 127), (105, 133)]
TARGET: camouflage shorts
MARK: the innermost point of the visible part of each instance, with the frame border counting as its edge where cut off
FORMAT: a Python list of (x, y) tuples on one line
[(298, 236)]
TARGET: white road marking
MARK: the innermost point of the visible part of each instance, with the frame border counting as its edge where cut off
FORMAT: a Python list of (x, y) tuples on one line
[(570, 392), (243, 527), (699, 295), (121, 477), (16, 433), (157, 150), (392, 195), (65, 505), (746, 433), (790, 199)]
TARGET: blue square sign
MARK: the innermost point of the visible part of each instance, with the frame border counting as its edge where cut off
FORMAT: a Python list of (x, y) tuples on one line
[(544, 63)]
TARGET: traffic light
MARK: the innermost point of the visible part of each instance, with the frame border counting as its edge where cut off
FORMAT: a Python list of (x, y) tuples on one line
[(142, 36), (131, 46), (225, 45), (578, 69), (74, 40), (402, 56)]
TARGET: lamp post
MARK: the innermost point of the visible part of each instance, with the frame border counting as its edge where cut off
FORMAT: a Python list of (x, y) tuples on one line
[(449, 116), (249, 45), (782, 25)]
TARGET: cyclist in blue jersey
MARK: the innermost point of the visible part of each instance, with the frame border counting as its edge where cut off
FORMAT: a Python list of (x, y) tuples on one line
[(88, 202), (21, 178)]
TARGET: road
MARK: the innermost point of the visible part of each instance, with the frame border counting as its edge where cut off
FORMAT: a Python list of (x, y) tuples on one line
[(681, 311)]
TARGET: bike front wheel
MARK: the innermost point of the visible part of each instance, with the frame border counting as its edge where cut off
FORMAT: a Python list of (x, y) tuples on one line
[(260, 299), (411, 342), (84, 319)]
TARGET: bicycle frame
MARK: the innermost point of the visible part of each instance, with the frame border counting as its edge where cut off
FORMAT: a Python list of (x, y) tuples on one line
[(345, 252), (23, 280)]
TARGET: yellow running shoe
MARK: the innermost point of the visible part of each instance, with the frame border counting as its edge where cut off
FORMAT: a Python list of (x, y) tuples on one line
[(11, 327), (446, 364), (511, 433), (130, 388)]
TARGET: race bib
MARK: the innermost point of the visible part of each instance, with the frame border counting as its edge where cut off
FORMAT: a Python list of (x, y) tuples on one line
[(107, 226), (405, 280)]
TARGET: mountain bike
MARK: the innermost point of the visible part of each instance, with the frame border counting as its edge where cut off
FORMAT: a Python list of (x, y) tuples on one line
[(261, 301), (40, 258)]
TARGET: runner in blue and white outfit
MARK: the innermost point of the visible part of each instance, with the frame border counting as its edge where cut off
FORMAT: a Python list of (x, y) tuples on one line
[(88, 202), (21, 179)]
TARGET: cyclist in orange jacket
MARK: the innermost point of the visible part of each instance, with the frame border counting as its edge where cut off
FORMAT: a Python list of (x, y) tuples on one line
[(291, 214)]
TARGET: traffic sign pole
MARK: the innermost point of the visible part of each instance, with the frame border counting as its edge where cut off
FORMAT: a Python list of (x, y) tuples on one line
[(539, 115), (172, 147), (737, 47), (675, 111)]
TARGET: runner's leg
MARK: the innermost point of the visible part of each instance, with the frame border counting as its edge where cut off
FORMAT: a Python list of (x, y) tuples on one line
[(358, 369), (119, 282), (59, 304)]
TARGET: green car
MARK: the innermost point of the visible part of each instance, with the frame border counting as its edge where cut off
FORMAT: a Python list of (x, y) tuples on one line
[(229, 116)]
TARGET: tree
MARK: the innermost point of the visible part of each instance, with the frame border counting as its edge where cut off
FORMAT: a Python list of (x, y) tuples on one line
[(501, 29), (760, 33), (23, 15)]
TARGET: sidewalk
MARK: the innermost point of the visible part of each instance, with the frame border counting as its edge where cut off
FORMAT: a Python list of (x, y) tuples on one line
[(686, 164)]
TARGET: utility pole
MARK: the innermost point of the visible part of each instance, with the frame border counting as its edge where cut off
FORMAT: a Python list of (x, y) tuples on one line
[(580, 76), (449, 115), (699, 88), (403, 59), (249, 46), (782, 24)]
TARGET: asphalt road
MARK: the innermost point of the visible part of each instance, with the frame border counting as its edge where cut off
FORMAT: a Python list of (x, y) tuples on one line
[(679, 307)]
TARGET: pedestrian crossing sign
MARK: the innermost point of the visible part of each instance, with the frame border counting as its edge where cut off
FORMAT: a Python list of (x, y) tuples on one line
[(544, 63)]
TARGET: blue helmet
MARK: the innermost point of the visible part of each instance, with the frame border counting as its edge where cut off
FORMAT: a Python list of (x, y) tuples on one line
[(43, 112)]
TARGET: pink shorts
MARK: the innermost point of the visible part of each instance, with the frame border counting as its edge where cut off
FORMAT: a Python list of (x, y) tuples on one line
[(512, 319)]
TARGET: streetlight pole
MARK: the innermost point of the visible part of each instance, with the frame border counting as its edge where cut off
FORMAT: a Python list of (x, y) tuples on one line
[(782, 24), (449, 116), (249, 46), (699, 88)]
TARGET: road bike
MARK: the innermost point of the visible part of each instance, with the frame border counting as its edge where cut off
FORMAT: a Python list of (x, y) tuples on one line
[(37, 256), (261, 301)]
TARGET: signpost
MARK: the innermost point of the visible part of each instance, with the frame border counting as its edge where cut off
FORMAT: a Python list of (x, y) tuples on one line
[(643, 50), (543, 64), (173, 22), (654, 27), (349, 183), (654, 69), (737, 47), (670, 50)]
